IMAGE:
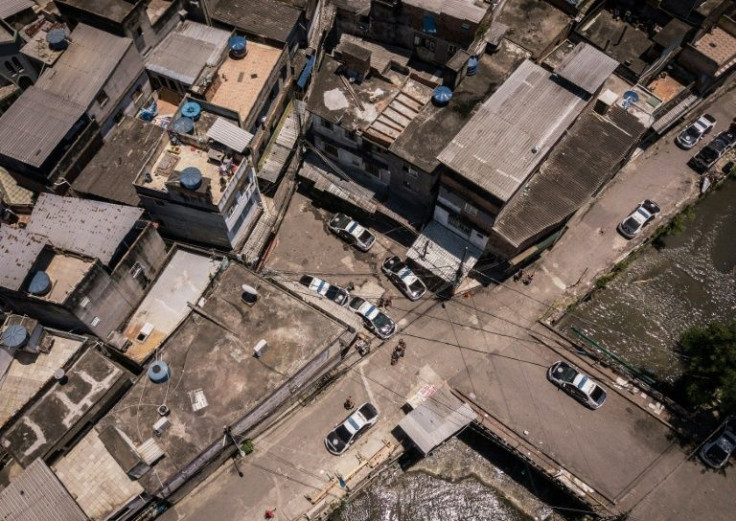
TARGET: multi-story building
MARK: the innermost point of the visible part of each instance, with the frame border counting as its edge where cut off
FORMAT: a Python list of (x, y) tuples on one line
[(52, 130), (79, 265), (200, 184), (146, 22)]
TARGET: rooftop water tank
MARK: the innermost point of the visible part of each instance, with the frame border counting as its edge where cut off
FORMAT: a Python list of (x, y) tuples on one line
[(40, 284), (190, 178), (56, 38), (472, 69), (182, 125), (237, 46), (441, 96), (191, 109), (630, 97), (159, 372), (14, 337)]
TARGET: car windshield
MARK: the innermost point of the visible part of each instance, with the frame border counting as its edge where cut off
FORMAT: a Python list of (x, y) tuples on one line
[(366, 237), (333, 293), (416, 287), (716, 453), (631, 223), (340, 221), (343, 434), (598, 394), (565, 373), (381, 321), (357, 303), (694, 132)]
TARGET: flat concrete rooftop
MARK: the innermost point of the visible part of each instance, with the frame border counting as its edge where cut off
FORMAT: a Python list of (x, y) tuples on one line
[(215, 379), (65, 271), (90, 379), (240, 82), (28, 373), (166, 304), (533, 24)]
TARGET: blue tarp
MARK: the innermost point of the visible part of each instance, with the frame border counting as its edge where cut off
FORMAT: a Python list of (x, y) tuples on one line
[(430, 26), (306, 72)]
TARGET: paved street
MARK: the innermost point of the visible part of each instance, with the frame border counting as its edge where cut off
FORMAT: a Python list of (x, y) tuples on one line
[(481, 345)]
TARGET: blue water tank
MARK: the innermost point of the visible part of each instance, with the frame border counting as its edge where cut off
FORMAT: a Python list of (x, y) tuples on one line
[(40, 284), (191, 178), (191, 109), (159, 372), (14, 337), (472, 69), (441, 96), (182, 125), (237, 46), (56, 38)]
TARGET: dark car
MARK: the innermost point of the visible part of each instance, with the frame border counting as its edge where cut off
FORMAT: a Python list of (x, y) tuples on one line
[(711, 153), (576, 384), (404, 279), (717, 452), (339, 439), (327, 290)]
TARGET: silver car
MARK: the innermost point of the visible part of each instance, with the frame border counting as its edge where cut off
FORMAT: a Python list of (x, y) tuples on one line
[(401, 275), (694, 132), (374, 319), (343, 435), (717, 452), (577, 384), (351, 232), (645, 213)]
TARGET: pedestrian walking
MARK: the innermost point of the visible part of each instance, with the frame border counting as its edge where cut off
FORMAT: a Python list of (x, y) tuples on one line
[(388, 302), (348, 403)]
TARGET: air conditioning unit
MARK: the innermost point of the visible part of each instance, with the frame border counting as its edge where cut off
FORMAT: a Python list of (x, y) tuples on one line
[(161, 426), (260, 348)]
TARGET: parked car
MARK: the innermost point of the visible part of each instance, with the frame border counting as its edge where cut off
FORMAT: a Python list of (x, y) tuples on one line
[(717, 452), (712, 152), (327, 290), (576, 384), (401, 275), (375, 320), (694, 132), (728, 167), (344, 434), (645, 212), (351, 232)]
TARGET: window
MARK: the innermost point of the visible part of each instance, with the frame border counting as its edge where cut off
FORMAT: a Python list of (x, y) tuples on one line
[(137, 93), (422, 41), (138, 31), (95, 321), (465, 26), (331, 149), (119, 117), (18, 65), (455, 221), (350, 136), (373, 169), (84, 302), (136, 269), (410, 172), (102, 98), (451, 50), (10, 68)]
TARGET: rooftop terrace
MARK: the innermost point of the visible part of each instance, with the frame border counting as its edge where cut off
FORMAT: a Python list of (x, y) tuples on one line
[(533, 24), (240, 82), (215, 379), (166, 304)]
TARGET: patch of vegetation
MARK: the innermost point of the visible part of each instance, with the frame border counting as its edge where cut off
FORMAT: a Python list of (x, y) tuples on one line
[(675, 227), (709, 379), (247, 446), (602, 281)]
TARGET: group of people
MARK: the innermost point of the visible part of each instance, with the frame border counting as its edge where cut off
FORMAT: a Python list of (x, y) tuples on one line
[(399, 352)]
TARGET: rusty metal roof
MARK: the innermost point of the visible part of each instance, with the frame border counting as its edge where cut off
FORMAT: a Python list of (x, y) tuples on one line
[(19, 250)]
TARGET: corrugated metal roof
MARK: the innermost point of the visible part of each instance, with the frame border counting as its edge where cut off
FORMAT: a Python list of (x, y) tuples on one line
[(460, 9), (184, 53), (436, 420), (18, 251), (85, 66), (230, 135), (35, 124), (267, 18), (583, 161), (36, 494), (512, 131), (10, 7), (586, 67), (111, 172), (87, 227)]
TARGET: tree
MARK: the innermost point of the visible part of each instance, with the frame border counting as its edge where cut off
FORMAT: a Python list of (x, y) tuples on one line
[(710, 376)]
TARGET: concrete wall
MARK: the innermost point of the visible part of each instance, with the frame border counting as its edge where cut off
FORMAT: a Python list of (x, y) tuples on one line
[(141, 264), (49, 313), (129, 105)]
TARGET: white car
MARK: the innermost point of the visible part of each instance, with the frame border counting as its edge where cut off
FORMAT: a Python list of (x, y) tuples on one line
[(694, 132), (717, 452), (327, 290), (578, 385), (344, 434), (645, 212), (405, 279), (351, 232), (375, 320)]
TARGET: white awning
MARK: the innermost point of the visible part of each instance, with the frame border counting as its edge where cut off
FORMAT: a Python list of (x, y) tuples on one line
[(230, 135)]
